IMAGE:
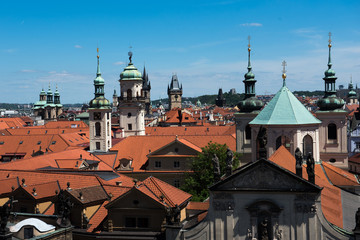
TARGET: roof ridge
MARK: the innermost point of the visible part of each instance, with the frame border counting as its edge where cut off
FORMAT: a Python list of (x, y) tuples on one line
[(338, 173), (161, 190), (291, 104)]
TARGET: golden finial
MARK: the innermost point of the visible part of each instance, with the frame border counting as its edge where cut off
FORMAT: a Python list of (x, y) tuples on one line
[(329, 40), (249, 49), (284, 71), (97, 50)]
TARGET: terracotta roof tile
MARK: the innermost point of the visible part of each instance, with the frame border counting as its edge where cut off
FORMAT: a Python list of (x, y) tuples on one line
[(198, 206), (330, 195), (340, 177), (42, 190), (128, 148), (90, 194), (191, 130), (171, 194), (7, 185), (98, 217)]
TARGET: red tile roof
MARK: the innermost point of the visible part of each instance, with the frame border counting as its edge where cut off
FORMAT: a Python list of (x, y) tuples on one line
[(330, 195), (129, 147), (43, 190), (191, 130), (172, 196), (98, 217)]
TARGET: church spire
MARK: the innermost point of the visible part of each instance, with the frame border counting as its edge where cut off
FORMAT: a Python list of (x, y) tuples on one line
[(98, 73), (330, 101), (249, 77), (284, 73)]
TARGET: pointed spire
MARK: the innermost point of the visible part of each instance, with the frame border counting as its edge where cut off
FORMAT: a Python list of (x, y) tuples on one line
[(284, 73), (249, 50), (329, 61), (130, 55), (249, 76), (98, 73)]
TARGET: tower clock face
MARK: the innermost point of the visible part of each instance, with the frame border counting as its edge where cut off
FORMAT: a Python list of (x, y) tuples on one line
[(97, 116)]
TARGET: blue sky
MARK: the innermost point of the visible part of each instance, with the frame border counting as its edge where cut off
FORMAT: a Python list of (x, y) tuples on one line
[(204, 42)]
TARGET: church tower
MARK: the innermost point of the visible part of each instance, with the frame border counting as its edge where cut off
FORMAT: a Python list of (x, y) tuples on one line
[(220, 100), (352, 95), (333, 129), (249, 109), (146, 92), (99, 116), (174, 93), (58, 105), (131, 101)]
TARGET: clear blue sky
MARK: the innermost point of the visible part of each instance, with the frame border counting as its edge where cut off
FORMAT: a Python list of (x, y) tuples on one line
[(204, 42)]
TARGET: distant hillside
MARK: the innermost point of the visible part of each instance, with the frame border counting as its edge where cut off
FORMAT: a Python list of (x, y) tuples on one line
[(231, 99)]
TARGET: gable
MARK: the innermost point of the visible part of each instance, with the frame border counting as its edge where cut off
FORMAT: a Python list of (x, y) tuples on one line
[(265, 176), (134, 199), (174, 148)]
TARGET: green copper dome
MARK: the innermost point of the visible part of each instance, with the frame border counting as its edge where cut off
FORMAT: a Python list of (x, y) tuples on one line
[(330, 103), (99, 103), (42, 93), (49, 92), (130, 73), (99, 81), (284, 109), (250, 104)]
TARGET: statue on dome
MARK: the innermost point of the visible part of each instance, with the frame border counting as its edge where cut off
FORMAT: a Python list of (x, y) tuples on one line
[(299, 161), (310, 168)]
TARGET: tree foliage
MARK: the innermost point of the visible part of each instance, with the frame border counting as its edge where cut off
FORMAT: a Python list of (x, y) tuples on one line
[(197, 182)]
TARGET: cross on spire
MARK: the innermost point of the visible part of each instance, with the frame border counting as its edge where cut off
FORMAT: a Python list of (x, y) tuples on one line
[(284, 72), (130, 53)]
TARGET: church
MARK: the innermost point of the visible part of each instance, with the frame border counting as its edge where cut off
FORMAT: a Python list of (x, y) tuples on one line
[(276, 194)]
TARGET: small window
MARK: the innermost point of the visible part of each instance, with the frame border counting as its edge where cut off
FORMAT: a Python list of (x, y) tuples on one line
[(357, 145), (97, 116), (157, 164), (176, 150), (129, 114), (130, 126), (28, 232), (1, 143), (97, 145), (21, 142), (130, 222), (332, 131), (97, 129), (176, 164), (45, 131), (53, 142), (28, 131), (177, 183), (248, 132), (332, 160), (39, 142)]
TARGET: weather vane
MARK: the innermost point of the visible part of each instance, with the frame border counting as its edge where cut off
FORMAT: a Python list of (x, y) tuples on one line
[(330, 40), (284, 70), (130, 54)]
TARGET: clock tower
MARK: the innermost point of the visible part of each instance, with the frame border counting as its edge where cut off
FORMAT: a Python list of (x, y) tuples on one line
[(99, 116)]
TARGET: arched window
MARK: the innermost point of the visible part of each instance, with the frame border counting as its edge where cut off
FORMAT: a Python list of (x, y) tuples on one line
[(283, 140), (97, 129), (129, 94), (332, 134), (307, 145), (248, 132)]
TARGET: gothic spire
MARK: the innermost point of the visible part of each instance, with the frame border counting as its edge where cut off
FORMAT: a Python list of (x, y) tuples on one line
[(98, 73)]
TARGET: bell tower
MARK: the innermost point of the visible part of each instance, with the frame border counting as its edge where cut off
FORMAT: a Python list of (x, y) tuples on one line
[(131, 101), (99, 116), (174, 92)]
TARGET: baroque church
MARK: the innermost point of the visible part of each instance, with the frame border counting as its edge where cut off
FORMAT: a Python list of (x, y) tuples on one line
[(48, 107), (275, 194)]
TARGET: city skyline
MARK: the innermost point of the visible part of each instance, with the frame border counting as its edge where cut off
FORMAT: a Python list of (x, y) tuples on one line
[(204, 42)]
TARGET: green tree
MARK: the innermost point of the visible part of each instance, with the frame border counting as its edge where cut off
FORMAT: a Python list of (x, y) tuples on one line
[(197, 182)]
